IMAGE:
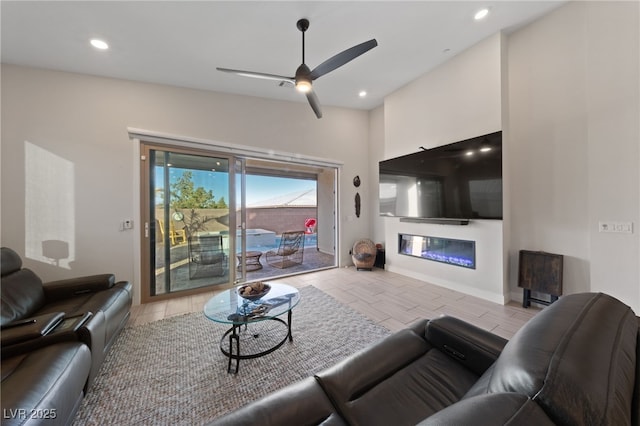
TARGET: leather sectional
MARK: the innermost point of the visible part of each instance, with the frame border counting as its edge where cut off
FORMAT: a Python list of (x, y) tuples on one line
[(575, 363), (46, 373)]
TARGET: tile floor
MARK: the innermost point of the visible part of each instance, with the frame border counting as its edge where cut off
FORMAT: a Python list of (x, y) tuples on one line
[(392, 300)]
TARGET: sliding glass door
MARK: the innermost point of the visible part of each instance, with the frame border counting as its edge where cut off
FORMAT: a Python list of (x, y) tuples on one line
[(213, 219), (289, 218), (241, 218), (187, 221)]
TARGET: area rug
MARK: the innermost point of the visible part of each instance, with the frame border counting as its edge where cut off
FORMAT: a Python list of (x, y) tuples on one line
[(172, 371)]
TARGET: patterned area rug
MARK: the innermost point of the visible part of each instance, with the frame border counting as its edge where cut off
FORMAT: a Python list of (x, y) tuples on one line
[(172, 371)]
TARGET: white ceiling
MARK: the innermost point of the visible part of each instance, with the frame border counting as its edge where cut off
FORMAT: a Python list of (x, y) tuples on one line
[(182, 42)]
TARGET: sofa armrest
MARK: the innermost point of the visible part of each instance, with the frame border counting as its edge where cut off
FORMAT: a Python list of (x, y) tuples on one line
[(92, 333), (301, 403), (29, 328), (474, 347), (358, 373), (48, 329), (56, 290)]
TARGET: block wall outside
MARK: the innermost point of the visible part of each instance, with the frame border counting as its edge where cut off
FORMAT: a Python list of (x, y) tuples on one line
[(279, 219)]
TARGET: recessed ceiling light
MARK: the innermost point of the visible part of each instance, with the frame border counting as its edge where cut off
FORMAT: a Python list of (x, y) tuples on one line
[(485, 149), (481, 14), (362, 93), (99, 44), (468, 153)]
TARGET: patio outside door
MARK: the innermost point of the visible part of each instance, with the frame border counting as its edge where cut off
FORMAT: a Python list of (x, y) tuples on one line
[(213, 219), (188, 221)]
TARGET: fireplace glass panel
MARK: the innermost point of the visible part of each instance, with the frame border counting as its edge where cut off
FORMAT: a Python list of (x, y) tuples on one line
[(446, 250)]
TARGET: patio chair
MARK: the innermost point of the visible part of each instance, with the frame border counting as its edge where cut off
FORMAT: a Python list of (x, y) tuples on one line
[(310, 225), (290, 251), (206, 251), (174, 234)]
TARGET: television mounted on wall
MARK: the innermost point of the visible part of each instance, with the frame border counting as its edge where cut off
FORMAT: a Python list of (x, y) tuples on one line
[(461, 180)]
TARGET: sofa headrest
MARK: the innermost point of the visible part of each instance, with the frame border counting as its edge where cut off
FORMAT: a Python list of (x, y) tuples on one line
[(9, 261), (22, 295), (21, 291), (577, 359)]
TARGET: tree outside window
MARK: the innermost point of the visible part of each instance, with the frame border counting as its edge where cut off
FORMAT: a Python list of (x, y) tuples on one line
[(186, 196)]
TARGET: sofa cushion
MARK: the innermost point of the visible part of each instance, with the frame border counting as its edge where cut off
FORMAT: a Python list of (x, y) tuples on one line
[(21, 289), (399, 380), (10, 261), (48, 381), (508, 409), (114, 302), (21, 294), (576, 359)]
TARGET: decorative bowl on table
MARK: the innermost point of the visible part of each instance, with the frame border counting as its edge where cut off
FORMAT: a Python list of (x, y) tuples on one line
[(253, 291)]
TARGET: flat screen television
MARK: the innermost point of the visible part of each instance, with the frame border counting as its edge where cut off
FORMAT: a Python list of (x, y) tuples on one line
[(462, 180)]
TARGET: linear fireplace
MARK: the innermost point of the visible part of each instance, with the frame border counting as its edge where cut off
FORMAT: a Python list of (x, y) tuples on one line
[(446, 250)]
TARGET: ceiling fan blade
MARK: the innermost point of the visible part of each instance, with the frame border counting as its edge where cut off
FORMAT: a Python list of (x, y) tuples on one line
[(342, 58), (261, 75), (315, 103)]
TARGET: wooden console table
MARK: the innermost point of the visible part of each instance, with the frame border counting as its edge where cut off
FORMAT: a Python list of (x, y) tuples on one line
[(540, 272)]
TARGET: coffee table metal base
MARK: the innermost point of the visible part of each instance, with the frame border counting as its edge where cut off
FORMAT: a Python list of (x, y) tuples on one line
[(233, 351)]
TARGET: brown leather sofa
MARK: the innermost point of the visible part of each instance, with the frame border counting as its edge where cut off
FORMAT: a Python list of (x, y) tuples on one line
[(44, 377), (575, 363)]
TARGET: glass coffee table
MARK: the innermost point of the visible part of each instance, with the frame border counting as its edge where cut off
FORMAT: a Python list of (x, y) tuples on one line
[(256, 329)]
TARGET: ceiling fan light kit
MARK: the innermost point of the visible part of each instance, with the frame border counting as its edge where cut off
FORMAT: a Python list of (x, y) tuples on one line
[(303, 86), (303, 82), (304, 77)]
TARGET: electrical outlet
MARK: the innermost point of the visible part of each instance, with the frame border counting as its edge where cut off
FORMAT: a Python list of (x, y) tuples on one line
[(616, 227)]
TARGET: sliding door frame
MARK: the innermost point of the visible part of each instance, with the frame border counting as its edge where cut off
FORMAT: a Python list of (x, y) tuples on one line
[(147, 265), (211, 148)]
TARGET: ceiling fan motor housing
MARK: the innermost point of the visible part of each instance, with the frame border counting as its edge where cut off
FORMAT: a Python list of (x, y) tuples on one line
[(303, 78)]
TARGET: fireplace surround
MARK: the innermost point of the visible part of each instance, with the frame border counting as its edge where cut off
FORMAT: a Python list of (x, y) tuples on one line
[(445, 250)]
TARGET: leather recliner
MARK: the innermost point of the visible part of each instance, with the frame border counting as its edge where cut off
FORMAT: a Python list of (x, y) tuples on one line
[(53, 372), (575, 363), (24, 295), (45, 385)]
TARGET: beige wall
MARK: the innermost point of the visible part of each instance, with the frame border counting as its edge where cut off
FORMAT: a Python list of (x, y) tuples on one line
[(458, 100), (565, 91), (279, 219), (326, 213), (574, 91), (69, 169), (376, 153)]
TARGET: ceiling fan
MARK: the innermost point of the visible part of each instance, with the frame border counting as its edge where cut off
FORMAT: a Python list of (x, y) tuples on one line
[(304, 76)]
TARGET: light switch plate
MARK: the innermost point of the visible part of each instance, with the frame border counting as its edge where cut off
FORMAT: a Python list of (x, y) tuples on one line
[(616, 227)]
